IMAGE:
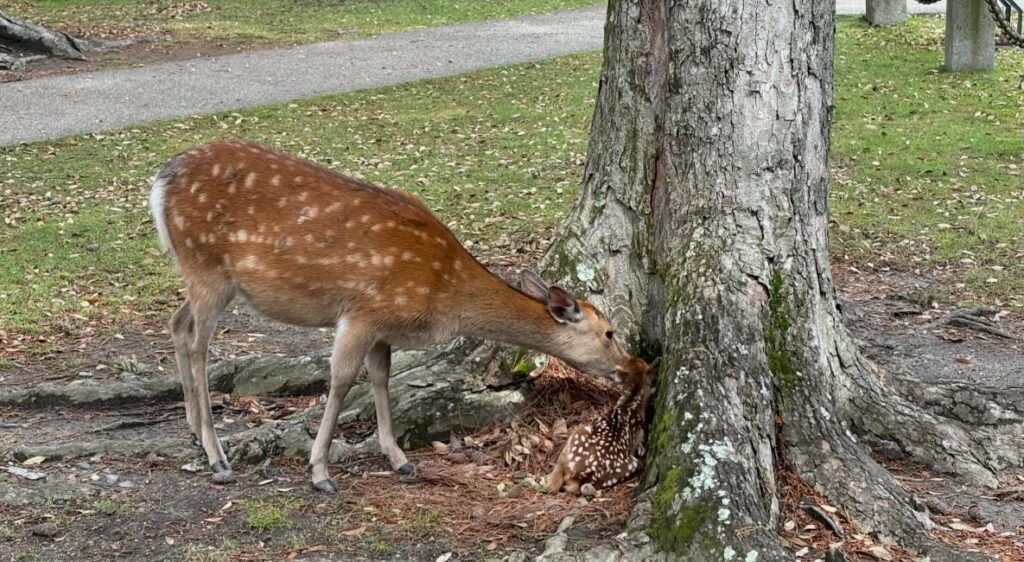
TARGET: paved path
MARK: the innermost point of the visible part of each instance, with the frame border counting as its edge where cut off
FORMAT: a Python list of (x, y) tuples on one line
[(57, 106)]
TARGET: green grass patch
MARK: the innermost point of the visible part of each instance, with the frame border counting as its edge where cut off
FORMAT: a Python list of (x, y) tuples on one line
[(928, 166), (78, 244), (263, 515), (927, 171), (272, 21), (111, 507)]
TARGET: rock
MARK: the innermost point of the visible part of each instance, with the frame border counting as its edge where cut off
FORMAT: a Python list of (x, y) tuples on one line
[(277, 376), (26, 473), (126, 484), (478, 512), (110, 479), (518, 556), (48, 529), (191, 467), (588, 490)]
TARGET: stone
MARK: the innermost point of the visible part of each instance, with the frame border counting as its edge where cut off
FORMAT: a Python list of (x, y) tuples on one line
[(970, 36), (886, 12)]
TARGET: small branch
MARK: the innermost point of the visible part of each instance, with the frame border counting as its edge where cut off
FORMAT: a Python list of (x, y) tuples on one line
[(126, 424)]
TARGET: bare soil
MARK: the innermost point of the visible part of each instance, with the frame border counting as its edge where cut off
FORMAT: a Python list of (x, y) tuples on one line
[(145, 507)]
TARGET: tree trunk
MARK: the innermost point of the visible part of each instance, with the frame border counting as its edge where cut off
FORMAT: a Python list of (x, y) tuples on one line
[(702, 226)]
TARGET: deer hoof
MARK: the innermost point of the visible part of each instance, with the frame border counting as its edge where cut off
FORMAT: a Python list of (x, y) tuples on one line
[(406, 469), (222, 473), (326, 486)]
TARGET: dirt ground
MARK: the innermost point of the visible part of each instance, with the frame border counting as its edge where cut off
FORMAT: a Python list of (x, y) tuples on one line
[(146, 507)]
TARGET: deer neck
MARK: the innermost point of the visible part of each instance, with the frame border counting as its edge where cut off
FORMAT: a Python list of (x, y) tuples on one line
[(498, 312)]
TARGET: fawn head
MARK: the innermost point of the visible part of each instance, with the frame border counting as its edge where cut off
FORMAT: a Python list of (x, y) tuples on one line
[(637, 373), (584, 337)]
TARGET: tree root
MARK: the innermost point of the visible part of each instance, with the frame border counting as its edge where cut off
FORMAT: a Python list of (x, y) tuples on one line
[(897, 428), (56, 43)]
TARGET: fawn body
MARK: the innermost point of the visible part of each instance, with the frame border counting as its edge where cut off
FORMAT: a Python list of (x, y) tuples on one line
[(310, 247), (607, 451)]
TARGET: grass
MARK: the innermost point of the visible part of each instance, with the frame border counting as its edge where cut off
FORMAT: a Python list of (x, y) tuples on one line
[(928, 166), (270, 21), (263, 515), (78, 246), (927, 172), (111, 507)]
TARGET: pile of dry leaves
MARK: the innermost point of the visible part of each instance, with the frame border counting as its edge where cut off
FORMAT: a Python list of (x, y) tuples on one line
[(489, 487)]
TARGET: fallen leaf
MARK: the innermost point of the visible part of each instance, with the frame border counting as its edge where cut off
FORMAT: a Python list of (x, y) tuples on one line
[(213, 519), (168, 540), (444, 557), (880, 553), (440, 448), (356, 531), (492, 546), (33, 461)]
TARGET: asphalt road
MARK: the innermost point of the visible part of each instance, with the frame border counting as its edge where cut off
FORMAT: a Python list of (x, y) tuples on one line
[(53, 107)]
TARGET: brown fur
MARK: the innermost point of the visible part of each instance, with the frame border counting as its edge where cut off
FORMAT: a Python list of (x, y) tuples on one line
[(310, 247), (608, 451)]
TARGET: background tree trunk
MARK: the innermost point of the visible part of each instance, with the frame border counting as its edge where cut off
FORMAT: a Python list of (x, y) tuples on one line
[(702, 226)]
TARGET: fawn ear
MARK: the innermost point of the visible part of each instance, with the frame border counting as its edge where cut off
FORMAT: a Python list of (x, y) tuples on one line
[(563, 306), (533, 285)]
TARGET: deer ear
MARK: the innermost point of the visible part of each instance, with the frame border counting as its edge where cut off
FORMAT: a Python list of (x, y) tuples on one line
[(563, 306), (533, 285)]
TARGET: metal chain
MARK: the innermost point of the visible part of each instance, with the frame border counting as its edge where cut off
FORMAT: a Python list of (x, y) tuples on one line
[(1004, 24)]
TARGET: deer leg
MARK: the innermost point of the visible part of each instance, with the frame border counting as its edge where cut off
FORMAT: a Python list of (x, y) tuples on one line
[(206, 306), (555, 478), (572, 486), (378, 365), (350, 347), (182, 327)]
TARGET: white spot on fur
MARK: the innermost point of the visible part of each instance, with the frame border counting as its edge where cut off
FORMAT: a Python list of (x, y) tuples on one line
[(250, 180), (276, 180), (242, 235), (248, 262)]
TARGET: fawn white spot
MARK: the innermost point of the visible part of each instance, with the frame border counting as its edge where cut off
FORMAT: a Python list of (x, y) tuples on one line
[(375, 227), (252, 210), (437, 265), (407, 256), (388, 260), (423, 290), (216, 170), (365, 218), (231, 187), (179, 221), (303, 196), (202, 198), (209, 216), (332, 207), (188, 242), (248, 262), (276, 180), (401, 300), (250, 180), (242, 235), (194, 188)]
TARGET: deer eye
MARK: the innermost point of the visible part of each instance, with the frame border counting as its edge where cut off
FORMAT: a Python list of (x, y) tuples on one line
[(609, 334)]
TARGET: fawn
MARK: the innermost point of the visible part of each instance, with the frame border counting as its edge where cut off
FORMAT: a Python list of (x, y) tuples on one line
[(608, 451), (310, 247)]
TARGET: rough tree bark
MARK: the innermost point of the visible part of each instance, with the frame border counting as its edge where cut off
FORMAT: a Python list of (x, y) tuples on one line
[(702, 226)]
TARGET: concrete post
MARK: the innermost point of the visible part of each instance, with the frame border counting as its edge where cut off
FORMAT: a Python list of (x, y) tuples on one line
[(886, 12), (970, 36)]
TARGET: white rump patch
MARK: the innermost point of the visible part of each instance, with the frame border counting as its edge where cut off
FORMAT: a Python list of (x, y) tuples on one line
[(157, 198)]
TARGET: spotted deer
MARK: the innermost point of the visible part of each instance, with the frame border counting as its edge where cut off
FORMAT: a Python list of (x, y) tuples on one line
[(310, 247), (608, 451)]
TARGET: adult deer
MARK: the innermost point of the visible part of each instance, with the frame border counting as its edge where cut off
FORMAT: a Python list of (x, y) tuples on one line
[(310, 247)]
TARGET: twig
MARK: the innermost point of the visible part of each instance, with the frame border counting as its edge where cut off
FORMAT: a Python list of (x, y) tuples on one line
[(126, 424)]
